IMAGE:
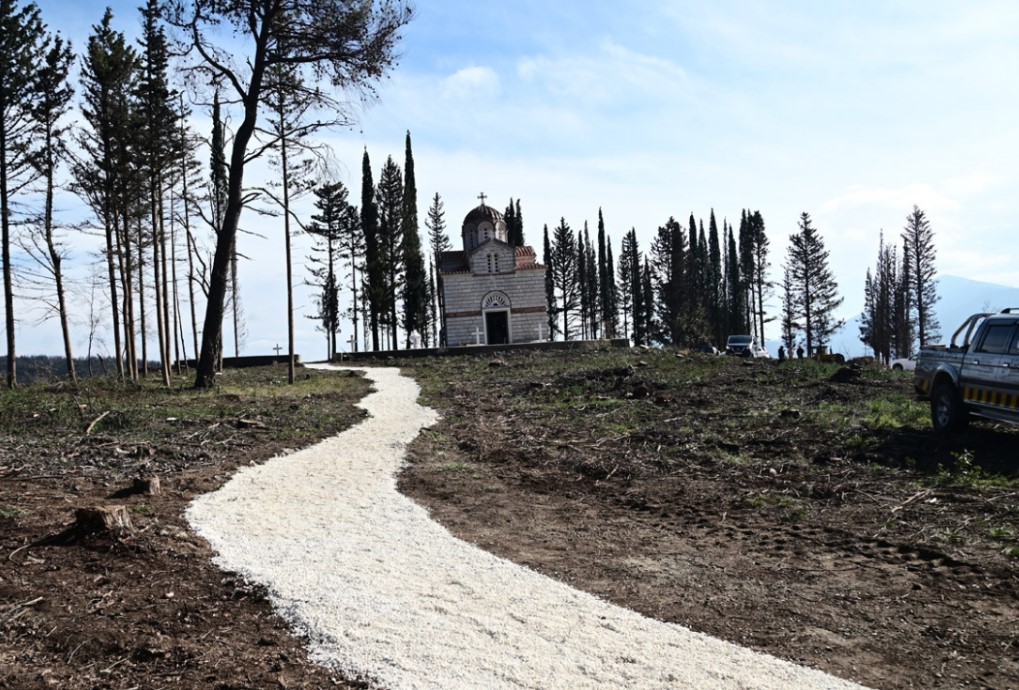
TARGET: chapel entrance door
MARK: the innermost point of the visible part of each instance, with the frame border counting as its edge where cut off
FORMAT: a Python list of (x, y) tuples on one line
[(497, 327)]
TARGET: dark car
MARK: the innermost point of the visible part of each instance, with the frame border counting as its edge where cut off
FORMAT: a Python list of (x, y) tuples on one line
[(741, 345)]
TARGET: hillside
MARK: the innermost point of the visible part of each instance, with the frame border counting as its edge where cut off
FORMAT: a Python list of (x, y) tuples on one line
[(801, 509)]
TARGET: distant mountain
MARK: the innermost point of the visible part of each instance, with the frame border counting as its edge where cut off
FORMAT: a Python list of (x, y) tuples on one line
[(959, 298)]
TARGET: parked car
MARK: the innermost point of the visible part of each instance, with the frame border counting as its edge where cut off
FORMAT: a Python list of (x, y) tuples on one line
[(762, 353), (742, 345), (978, 377), (903, 364)]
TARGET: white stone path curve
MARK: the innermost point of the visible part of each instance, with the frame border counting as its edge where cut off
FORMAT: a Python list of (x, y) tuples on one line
[(385, 593)]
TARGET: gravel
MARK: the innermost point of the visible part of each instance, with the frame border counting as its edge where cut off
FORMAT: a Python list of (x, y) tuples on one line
[(385, 594)]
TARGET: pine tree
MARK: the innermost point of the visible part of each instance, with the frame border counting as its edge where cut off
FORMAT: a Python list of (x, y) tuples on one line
[(389, 196), (625, 269), (918, 246), (23, 46), (337, 235), (904, 323), (346, 45), (104, 170), (53, 102), (637, 297), (564, 276), (415, 288), (438, 243), (156, 151), (789, 321), (651, 327), (814, 286)]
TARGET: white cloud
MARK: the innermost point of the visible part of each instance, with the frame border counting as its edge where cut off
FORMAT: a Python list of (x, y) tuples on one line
[(471, 83)]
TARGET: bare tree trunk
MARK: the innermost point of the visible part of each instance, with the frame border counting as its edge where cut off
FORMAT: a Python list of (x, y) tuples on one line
[(286, 232), (142, 312), (55, 260), (114, 300), (5, 221)]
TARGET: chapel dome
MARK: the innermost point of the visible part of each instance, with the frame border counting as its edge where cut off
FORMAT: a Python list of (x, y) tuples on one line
[(482, 213), (482, 224)]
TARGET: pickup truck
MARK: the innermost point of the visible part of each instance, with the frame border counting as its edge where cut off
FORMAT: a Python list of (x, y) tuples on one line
[(978, 376)]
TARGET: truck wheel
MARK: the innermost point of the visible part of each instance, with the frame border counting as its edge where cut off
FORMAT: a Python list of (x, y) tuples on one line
[(947, 413)]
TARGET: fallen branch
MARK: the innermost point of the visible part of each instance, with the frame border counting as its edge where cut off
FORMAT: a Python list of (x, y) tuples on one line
[(96, 421), (917, 495)]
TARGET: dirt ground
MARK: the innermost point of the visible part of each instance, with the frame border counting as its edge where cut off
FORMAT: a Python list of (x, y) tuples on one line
[(807, 512), (146, 609), (802, 510)]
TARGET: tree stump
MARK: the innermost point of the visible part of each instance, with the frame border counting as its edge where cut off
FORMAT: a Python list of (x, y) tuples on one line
[(147, 485), (103, 519)]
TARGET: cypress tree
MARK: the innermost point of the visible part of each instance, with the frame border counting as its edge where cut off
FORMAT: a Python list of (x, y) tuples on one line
[(550, 300), (759, 271), (612, 315), (604, 291), (415, 290), (375, 286), (583, 295), (714, 281)]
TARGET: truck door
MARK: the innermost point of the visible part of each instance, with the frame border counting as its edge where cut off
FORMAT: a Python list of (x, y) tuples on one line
[(987, 368)]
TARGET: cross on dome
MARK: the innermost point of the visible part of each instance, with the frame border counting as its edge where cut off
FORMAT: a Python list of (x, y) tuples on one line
[(482, 196)]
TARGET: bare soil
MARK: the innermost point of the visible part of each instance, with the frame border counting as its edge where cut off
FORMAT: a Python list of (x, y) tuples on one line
[(146, 608), (804, 510), (801, 509)]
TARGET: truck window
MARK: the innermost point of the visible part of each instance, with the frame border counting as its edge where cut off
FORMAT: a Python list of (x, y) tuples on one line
[(996, 339)]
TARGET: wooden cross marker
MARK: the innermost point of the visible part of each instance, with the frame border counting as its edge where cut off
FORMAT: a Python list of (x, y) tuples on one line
[(278, 349)]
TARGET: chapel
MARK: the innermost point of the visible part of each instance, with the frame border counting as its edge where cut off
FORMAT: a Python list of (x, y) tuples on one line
[(492, 293)]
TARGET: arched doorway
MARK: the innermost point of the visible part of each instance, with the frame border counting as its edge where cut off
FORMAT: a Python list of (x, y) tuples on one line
[(495, 308)]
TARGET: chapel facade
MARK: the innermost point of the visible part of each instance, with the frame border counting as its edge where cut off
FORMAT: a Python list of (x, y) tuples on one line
[(493, 293)]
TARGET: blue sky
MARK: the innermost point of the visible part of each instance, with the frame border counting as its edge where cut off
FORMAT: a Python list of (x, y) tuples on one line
[(852, 112)]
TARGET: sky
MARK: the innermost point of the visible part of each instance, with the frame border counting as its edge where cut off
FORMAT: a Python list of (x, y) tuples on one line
[(850, 111)]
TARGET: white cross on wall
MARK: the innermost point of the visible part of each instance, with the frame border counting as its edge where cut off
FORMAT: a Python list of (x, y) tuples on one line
[(477, 335), (541, 331)]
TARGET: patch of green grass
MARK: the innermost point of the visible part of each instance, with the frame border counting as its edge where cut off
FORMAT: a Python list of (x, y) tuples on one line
[(896, 412), (10, 512), (459, 469), (964, 472), (140, 509)]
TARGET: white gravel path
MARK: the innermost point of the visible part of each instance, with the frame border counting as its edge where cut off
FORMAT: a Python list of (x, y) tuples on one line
[(385, 593)]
